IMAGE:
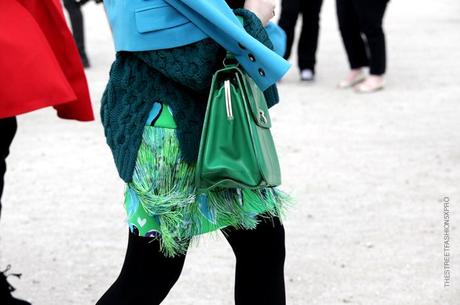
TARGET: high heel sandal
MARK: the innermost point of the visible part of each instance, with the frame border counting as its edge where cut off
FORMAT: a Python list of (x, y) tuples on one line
[(349, 83)]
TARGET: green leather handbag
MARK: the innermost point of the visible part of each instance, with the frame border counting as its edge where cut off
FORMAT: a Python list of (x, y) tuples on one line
[(236, 147)]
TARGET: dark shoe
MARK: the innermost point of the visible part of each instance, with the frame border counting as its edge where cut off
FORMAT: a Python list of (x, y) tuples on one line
[(6, 289)]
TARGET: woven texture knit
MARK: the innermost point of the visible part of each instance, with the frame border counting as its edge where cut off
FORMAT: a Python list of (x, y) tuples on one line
[(180, 77)]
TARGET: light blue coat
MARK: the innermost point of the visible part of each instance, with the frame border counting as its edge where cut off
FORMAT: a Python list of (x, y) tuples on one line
[(143, 25)]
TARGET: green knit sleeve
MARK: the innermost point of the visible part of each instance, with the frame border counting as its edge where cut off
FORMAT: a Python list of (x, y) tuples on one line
[(191, 65), (254, 26)]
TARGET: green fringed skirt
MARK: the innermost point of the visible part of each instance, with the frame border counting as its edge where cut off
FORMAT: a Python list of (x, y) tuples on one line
[(160, 200)]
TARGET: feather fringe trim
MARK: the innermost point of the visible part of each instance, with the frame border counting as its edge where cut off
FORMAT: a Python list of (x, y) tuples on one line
[(163, 186)]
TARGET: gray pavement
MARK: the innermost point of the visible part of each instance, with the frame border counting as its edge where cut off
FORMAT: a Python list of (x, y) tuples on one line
[(368, 173)]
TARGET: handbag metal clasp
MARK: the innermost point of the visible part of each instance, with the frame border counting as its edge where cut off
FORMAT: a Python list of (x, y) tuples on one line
[(262, 116), (228, 99)]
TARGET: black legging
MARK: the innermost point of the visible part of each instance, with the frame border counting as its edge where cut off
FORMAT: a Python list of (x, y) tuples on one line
[(357, 17), (308, 42), (8, 127), (147, 275)]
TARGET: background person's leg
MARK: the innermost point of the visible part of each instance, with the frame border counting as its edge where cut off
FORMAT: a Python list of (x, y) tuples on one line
[(290, 10), (370, 14), (308, 42), (260, 255), (351, 34), (8, 127), (147, 275), (76, 21)]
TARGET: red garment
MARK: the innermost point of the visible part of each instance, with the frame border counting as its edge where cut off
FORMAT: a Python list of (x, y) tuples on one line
[(39, 62)]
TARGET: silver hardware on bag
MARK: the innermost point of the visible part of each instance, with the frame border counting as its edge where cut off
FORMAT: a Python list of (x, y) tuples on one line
[(228, 100), (262, 116)]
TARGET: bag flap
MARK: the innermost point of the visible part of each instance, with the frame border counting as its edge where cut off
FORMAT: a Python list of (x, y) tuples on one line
[(257, 102), (226, 155), (254, 97)]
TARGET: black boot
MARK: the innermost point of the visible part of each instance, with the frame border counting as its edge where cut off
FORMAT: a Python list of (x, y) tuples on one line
[(6, 289)]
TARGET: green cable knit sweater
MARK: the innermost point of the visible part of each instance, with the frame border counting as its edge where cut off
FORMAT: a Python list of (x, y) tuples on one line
[(180, 77)]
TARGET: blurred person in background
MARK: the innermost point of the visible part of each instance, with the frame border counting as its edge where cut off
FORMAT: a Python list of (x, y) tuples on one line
[(40, 68), (308, 41), (360, 23), (73, 7)]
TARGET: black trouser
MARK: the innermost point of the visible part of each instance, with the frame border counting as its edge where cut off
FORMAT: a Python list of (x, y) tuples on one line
[(76, 20), (8, 127), (357, 17), (147, 276), (308, 42)]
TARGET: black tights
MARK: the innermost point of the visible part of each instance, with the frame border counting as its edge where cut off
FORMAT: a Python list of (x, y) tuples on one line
[(147, 275)]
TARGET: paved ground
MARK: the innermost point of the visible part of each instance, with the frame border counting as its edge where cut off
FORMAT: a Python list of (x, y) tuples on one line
[(368, 173)]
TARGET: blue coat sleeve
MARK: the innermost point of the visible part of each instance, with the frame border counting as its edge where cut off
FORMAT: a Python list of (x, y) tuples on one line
[(217, 20)]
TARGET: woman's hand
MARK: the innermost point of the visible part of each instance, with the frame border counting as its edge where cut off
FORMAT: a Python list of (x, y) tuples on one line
[(264, 9)]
